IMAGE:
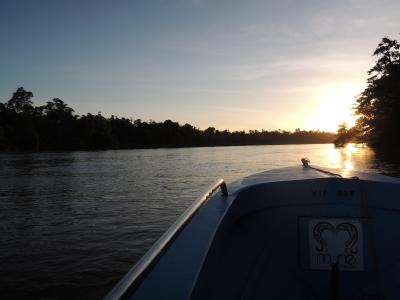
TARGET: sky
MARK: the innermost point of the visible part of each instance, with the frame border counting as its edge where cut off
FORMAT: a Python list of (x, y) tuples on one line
[(236, 65)]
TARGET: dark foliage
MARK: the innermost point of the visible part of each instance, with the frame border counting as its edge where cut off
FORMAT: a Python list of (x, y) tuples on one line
[(379, 104), (54, 127), (346, 135)]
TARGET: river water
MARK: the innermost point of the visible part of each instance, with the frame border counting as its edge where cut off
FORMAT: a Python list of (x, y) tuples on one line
[(72, 224)]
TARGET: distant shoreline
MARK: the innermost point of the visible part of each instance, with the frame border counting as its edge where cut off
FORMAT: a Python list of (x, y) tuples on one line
[(158, 147), (25, 127)]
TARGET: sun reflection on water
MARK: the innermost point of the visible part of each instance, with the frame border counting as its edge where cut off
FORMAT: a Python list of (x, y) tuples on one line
[(352, 157), (349, 150), (348, 165)]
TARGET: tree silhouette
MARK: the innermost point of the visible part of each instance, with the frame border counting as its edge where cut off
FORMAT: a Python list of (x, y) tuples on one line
[(56, 107), (379, 104), (345, 135), (21, 102), (342, 136), (24, 127)]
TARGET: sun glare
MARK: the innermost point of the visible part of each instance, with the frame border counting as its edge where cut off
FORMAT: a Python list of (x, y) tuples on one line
[(333, 105)]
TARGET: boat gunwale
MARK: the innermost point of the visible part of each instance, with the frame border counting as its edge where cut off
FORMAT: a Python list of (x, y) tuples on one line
[(133, 277)]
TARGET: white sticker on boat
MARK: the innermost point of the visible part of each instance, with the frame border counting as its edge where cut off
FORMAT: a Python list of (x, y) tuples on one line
[(336, 241)]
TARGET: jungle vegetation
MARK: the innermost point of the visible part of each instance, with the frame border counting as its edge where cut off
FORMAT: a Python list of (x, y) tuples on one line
[(55, 127), (378, 106)]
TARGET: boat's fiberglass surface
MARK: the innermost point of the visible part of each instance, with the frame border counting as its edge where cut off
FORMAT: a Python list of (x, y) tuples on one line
[(283, 244), (293, 233)]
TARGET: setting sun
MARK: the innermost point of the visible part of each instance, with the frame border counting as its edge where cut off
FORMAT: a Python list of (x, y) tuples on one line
[(333, 105)]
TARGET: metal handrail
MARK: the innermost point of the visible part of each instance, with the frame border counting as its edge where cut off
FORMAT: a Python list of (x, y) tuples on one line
[(161, 244)]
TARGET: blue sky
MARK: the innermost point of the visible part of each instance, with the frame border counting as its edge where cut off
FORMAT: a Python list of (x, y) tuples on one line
[(228, 64)]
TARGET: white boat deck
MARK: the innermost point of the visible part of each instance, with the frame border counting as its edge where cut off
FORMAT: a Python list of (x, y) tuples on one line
[(256, 243)]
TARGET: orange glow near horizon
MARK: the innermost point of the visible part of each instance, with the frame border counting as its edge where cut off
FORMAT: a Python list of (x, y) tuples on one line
[(334, 106)]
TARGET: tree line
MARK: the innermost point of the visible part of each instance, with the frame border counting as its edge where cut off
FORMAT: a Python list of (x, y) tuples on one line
[(378, 106), (55, 127)]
